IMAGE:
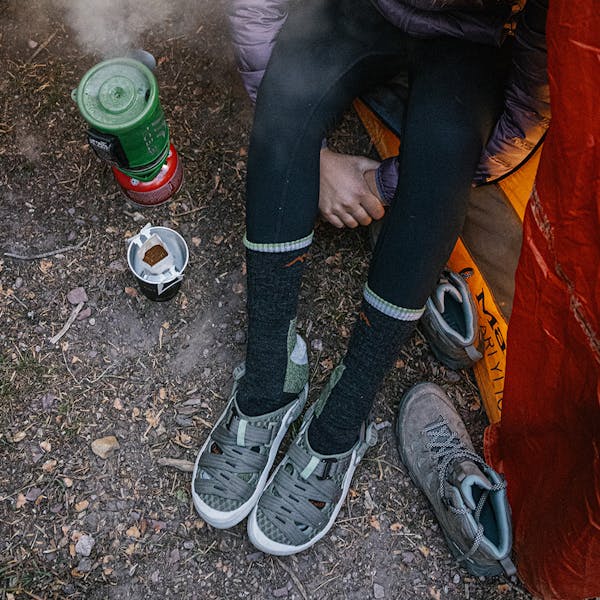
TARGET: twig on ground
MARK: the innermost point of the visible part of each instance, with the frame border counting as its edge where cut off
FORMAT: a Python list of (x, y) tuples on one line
[(324, 583), (68, 324), (178, 463), (294, 578), (42, 46), (44, 254)]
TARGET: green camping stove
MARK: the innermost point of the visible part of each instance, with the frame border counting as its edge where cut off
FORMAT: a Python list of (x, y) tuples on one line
[(119, 100)]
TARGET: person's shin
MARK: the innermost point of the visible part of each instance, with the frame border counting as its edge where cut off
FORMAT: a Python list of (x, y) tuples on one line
[(274, 274), (380, 331)]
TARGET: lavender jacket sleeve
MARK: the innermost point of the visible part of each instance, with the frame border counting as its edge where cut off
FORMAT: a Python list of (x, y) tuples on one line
[(526, 114), (254, 26)]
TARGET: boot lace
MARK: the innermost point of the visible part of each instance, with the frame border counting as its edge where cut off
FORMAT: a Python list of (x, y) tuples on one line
[(447, 449)]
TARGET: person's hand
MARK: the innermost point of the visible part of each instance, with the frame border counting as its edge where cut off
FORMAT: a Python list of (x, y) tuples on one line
[(347, 194)]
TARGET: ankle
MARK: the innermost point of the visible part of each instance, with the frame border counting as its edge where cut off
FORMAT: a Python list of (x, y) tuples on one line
[(327, 439)]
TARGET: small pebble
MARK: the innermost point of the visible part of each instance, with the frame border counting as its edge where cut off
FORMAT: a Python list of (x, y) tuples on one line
[(48, 401), (254, 556), (84, 314), (451, 376), (116, 265), (408, 557), (183, 421), (85, 565), (84, 545), (456, 578), (317, 345), (378, 591), (77, 296), (18, 283), (33, 494), (105, 446)]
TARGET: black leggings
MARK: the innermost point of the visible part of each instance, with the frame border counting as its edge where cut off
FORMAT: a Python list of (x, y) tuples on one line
[(328, 53)]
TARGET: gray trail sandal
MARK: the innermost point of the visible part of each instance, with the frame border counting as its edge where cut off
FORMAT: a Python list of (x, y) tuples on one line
[(305, 494), (233, 464)]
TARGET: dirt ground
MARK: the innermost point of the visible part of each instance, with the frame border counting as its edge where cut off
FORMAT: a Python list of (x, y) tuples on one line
[(156, 376)]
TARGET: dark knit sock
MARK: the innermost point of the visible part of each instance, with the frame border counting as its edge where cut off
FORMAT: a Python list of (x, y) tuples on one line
[(273, 281), (374, 346)]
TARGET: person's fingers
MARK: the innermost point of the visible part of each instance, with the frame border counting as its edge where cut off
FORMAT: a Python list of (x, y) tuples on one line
[(361, 215), (348, 220), (370, 181), (373, 207), (333, 219)]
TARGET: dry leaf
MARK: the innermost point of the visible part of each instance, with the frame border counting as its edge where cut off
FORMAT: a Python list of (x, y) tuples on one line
[(374, 522), (131, 292), (49, 465), (218, 239), (21, 501), (503, 588), (18, 437), (133, 532), (80, 506), (46, 446), (152, 418), (435, 594), (327, 364), (117, 404), (130, 549), (45, 265), (396, 526), (425, 551), (196, 241), (183, 439), (162, 393), (68, 482)]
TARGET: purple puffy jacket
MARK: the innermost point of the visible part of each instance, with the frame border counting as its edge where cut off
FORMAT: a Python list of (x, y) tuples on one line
[(520, 128)]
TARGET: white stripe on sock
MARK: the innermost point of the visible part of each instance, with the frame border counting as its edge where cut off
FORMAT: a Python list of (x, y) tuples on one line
[(281, 246), (389, 309)]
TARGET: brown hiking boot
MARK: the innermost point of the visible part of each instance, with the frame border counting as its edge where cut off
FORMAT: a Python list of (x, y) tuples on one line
[(467, 496)]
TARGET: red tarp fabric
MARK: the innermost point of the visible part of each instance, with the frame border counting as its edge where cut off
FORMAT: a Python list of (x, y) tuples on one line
[(548, 442)]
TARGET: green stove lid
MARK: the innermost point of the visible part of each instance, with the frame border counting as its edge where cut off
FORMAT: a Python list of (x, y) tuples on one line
[(116, 94)]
